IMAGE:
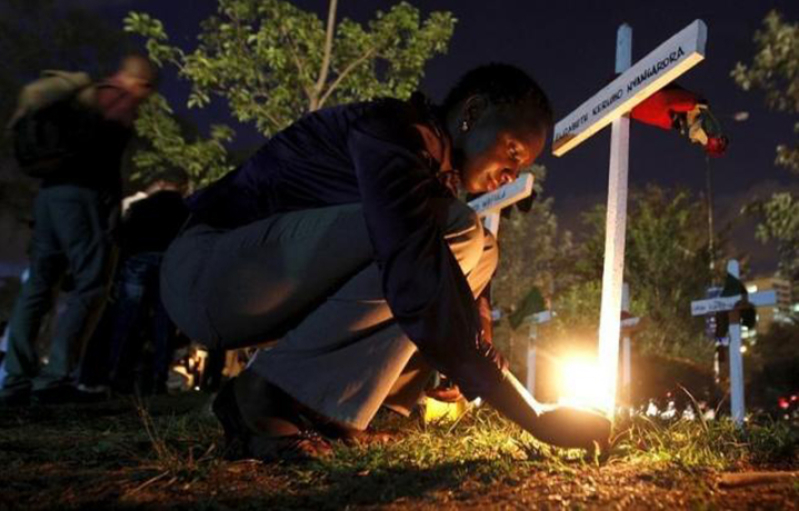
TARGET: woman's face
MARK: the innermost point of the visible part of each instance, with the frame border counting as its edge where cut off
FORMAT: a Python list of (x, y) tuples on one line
[(499, 143)]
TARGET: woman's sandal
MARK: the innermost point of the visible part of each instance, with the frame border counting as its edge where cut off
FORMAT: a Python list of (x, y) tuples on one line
[(302, 447), (241, 442), (333, 430)]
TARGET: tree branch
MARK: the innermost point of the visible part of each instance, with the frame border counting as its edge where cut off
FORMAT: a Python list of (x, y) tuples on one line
[(347, 70), (311, 93), (265, 111), (325, 69)]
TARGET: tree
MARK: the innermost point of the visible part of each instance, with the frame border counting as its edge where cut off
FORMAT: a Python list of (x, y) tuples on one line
[(273, 62), (779, 221), (775, 71), (528, 249), (772, 365), (666, 265), (166, 145), (530, 258)]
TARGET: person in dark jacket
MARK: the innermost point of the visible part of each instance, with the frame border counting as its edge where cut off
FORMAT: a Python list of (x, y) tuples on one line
[(73, 214), (343, 240), (116, 349)]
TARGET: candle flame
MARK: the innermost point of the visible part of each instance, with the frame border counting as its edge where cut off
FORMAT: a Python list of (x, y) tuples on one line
[(584, 384)]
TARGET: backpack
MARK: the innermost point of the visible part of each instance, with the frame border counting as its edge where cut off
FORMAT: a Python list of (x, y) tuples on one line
[(51, 125)]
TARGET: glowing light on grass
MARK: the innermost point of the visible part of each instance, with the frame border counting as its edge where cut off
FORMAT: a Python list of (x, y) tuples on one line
[(583, 384)]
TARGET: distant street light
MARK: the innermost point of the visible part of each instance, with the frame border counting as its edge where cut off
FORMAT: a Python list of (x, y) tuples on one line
[(741, 116)]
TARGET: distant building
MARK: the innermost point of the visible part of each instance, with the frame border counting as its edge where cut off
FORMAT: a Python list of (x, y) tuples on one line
[(779, 312)]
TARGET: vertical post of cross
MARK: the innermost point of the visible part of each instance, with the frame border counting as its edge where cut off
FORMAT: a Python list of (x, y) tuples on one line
[(535, 321), (491, 222), (615, 226), (626, 349), (736, 358), (531, 354)]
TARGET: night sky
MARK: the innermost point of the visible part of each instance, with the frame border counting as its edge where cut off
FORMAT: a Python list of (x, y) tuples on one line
[(569, 47)]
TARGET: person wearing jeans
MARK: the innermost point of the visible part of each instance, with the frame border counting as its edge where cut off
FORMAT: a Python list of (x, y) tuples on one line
[(74, 215), (136, 311)]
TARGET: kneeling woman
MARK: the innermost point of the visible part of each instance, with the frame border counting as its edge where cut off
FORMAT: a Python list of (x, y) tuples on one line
[(342, 239)]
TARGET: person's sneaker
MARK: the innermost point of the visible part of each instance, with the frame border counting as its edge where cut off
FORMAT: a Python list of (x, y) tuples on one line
[(275, 437)]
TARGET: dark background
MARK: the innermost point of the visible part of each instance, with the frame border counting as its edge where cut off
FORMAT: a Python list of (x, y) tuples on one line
[(569, 46)]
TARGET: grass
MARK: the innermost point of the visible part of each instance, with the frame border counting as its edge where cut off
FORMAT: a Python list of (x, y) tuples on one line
[(185, 446), (167, 451)]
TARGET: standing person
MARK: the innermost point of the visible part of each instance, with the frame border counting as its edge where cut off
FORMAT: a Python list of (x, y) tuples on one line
[(74, 214), (115, 350), (343, 238)]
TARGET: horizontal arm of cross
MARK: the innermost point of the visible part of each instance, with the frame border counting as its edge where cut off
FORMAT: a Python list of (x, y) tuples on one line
[(668, 61), (630, 323), (728, 303), (539, 317), (504, 196)]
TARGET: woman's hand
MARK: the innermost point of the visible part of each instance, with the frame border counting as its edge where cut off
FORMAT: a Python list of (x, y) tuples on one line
[(559, 426)]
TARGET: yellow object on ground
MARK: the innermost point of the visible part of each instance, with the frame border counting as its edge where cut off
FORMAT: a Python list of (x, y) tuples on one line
[(439, 411)]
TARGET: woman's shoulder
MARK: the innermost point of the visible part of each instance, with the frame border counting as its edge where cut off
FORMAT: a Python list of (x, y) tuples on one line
[(393, 120)]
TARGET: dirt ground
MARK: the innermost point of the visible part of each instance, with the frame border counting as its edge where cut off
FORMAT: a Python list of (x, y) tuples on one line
[(164, 454)]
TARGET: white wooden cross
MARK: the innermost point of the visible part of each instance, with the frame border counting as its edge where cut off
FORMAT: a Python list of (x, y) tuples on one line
[(489, 205), (627, 327), (731, 305), (534, 320), (612, 106)]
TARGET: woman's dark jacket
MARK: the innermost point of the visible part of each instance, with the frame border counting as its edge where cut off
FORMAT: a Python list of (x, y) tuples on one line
[(372, 153)]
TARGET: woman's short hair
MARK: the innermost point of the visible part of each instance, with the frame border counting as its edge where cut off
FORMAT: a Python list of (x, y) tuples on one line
[(502, 84)]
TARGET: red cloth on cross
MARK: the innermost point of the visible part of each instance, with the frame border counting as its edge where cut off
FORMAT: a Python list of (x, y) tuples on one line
[(657, 109)]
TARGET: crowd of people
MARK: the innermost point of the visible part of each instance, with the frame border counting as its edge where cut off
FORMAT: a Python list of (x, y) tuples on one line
[(341, 247)]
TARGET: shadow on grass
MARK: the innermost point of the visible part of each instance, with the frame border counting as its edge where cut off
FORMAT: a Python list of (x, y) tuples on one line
[(339, 487), (120, 407)]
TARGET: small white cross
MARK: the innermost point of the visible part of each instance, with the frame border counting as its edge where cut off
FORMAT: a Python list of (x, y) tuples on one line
[(732, 305)]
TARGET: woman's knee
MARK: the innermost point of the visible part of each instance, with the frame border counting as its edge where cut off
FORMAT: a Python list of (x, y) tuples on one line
[(481, 275), (464, 233), (179, 289)]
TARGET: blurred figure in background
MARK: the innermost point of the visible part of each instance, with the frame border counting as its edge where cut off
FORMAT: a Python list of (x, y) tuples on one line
[(71, 133), (115, 354)]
